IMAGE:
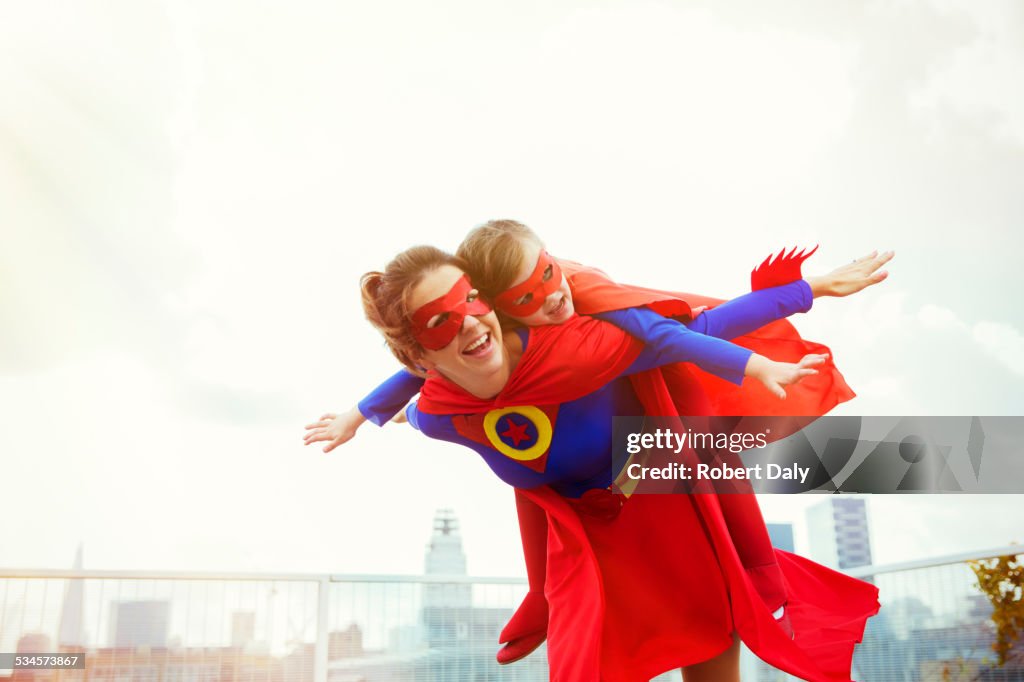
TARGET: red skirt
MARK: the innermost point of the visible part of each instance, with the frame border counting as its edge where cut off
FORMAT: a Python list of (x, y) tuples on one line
[(657, 584)]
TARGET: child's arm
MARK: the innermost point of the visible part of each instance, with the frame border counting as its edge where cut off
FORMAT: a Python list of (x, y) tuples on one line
[(381, 405), (748, 312), (388, 399), (667, 341)]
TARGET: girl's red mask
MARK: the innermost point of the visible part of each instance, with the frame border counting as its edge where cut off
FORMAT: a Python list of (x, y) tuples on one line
[(545, 280), (456, 304)]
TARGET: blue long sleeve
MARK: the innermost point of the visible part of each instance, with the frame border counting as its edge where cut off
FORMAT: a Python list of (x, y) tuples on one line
[(667, 341), (386, 400), (412, 413), (746, 313), (700, 341)]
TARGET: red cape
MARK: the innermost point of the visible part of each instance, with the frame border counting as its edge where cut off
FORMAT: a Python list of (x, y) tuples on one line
[(619, 611), (697, 392), (561, 363), (659, 585)]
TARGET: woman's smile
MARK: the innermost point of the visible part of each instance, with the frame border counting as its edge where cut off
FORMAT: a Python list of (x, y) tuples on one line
[(481, 346)]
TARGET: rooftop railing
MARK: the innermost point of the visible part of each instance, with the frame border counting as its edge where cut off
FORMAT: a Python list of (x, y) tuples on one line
[(157, 626)]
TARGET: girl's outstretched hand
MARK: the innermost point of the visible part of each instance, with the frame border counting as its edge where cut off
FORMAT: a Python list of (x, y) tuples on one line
[(852, 277), (336, 429), (775, 375)]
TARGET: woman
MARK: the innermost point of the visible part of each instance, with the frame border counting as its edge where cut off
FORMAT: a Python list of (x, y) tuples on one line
[(636, 588), (509, 264)]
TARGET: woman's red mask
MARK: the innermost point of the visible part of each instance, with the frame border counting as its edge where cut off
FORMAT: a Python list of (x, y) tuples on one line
[(545, 280), (454, 306)]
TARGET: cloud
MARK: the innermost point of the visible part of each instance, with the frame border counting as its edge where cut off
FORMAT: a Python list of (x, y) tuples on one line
[(975, 81), (938, 317), (998, 340), (906, 357), (1002, 342)]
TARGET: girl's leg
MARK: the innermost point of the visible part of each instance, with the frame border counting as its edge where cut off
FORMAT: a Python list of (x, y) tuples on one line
[(725, 667)]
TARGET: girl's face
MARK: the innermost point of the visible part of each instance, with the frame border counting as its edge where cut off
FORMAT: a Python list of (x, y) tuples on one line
[(472, 349), (533, 280)]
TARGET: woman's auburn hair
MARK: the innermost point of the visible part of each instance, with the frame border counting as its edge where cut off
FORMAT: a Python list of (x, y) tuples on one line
[(493, 254), (386, 298)]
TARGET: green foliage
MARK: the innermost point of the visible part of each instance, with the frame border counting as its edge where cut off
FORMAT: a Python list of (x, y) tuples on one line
[(1002, 580)]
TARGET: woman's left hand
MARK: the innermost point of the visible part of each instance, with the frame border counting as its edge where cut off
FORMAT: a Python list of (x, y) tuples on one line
[(852, 277)]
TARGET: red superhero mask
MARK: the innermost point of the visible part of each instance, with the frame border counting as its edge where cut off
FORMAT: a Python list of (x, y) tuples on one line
[(545, 280), (454, 305)]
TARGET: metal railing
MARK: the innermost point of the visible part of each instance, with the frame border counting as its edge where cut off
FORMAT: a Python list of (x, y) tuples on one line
[(154, 626)]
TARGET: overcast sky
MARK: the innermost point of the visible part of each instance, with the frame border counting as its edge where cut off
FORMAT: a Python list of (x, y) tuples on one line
[(191, 190)]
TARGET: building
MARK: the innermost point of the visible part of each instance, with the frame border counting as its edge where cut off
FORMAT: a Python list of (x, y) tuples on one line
[(347, 643), (139, 623), (837, 529), (71, 632), (33, 643), (453, 640), (445, 557), (781, 535), (243, 628)]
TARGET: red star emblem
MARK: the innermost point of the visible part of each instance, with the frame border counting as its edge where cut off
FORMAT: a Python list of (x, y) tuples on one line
[(516, 432)]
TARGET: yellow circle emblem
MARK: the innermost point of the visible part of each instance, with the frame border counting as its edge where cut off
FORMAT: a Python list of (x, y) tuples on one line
[(525, 431)]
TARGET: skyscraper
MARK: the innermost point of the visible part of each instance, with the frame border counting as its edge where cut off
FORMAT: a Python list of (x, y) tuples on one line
[(781, 535), (243, 628), (838, 532), (71, 634), (445, 557), (139, 623)]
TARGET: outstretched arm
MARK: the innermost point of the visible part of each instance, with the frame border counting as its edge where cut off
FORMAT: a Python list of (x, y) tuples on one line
[(388, 399), (748, 312), (853, 277), (667, 341), (381, 405)]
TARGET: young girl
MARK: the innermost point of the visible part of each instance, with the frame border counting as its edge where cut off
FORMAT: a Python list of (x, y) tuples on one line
[(506, 261)]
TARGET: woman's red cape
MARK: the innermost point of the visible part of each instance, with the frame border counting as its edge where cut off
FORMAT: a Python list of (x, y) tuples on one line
[(660, 585)]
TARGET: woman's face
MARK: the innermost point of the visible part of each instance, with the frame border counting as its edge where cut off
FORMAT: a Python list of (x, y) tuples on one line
[(476, 352), (557, 306)]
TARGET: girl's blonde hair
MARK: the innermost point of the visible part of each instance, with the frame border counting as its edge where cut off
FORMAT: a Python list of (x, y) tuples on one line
[(493, 254)]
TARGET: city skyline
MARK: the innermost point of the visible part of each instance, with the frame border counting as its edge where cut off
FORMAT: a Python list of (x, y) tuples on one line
[(932, 617)]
